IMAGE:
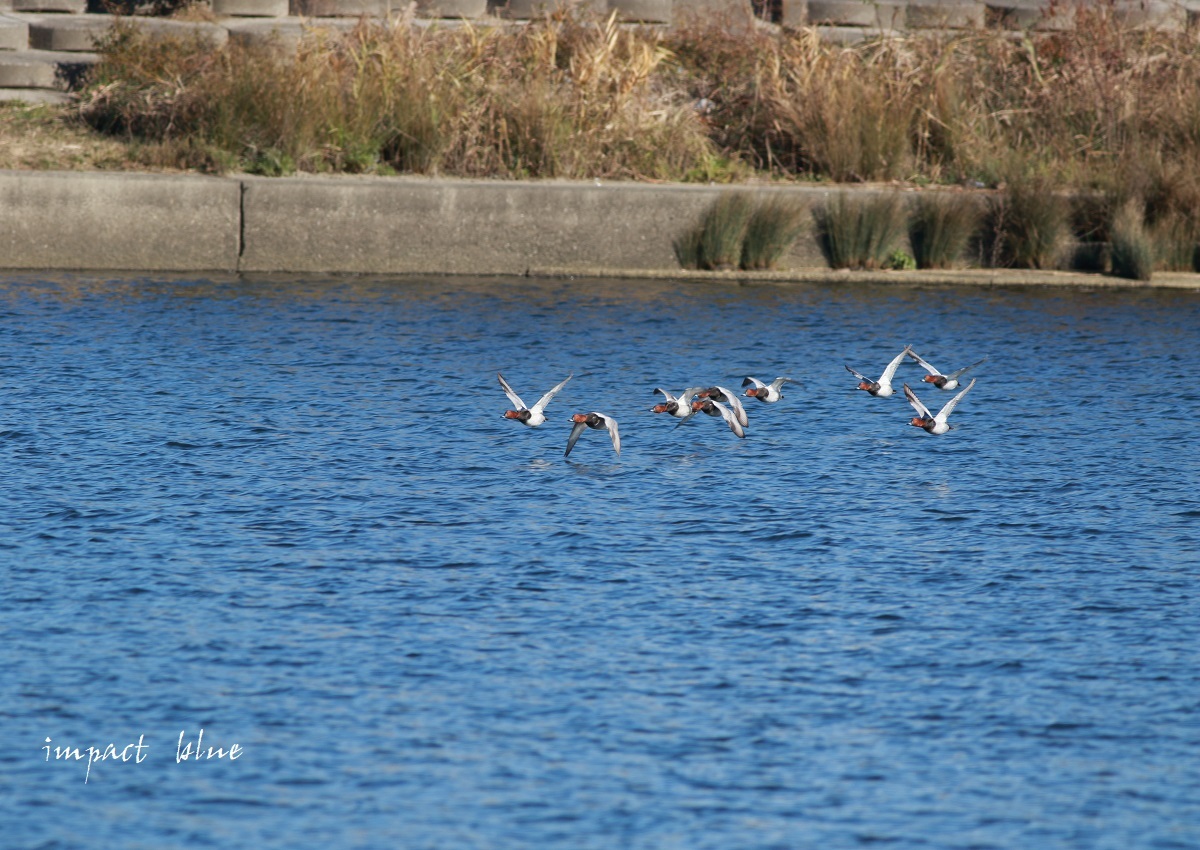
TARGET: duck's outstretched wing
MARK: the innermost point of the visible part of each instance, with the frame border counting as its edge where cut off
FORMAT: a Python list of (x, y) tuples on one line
[(613, 433), (512, 396), (925, 364), (917, 404), (945, 412), (859, 375), (668, 396), (730, 419), (736, 404), (574, 438), (954, 375), (545, 400), (755, 382), (890, 371), (778, 383)]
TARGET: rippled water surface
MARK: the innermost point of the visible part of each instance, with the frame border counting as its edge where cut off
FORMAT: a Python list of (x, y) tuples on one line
[(290, 513)]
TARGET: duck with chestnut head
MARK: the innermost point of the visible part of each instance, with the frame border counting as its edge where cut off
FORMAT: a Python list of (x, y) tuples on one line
[(883, 387), (948, 381), (598, 422), (678, 406), (715, 408), (529, 416), (925, 419), (767, 393)]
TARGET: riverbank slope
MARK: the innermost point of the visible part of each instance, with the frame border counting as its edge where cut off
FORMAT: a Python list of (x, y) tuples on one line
[(373, 225)]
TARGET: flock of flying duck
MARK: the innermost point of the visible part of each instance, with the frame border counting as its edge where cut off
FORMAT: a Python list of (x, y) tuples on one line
[(719, 401)]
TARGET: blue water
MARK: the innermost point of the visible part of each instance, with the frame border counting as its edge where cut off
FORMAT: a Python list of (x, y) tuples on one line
[(290, 514)]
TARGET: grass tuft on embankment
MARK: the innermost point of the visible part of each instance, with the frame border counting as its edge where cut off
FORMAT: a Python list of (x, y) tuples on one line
[(861, 231), (739, 231), (941, 226)]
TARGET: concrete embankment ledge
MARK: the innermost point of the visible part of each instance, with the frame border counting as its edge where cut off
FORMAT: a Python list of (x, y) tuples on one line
[(91, 221)]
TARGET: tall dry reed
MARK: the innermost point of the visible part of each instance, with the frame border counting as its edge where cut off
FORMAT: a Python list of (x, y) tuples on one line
[(952, 108), (573, 95), (560, 98), (1028, 224)]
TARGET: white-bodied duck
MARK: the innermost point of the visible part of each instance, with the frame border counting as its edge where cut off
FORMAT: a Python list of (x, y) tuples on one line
[(883, 387), (926, 420), (678, 406), (531, 416), (948, 381), (769, 393)]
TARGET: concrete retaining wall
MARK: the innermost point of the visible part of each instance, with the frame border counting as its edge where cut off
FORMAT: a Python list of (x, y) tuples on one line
[(370, 225), (118, 221), (469, 226), (184, 223)]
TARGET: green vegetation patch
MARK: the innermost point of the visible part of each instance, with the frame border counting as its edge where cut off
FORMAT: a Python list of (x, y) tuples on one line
[(862, 231), (739, 231)]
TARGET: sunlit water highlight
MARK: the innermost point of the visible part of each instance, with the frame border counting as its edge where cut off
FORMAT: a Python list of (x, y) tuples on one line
[(290, 513)]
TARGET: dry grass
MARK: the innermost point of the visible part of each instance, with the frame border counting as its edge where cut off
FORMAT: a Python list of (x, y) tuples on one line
[(1177, 239), (1133, 251), (1079, 104), (47, 138), (1028, 224), (562, 98)]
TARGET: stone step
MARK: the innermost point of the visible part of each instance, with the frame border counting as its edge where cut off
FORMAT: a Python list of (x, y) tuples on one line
[(945, 14), (427, 9), (642, 11), (285, 32), (341, 8), (524, 10), (793, 13), (250, 8), (20, 31), (849, 36), (74, 7), (718, 7), (1152, 14), (42, 69), (1029, 15), (14, 33), (888, 16), (48, 96), (81, 32), (468, 9), (630, 11)]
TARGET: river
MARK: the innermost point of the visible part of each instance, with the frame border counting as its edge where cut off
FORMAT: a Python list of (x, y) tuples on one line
[(289, 513)]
